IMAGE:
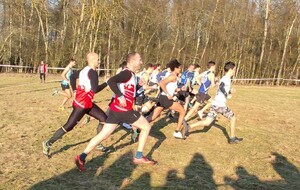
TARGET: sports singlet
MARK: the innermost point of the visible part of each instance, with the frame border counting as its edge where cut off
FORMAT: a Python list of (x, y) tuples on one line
[(68, 76), (171, 87), (128, 90), (84, 95), (205, 82)]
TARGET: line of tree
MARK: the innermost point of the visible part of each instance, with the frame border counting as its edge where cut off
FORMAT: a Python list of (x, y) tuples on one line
[(261, 36)]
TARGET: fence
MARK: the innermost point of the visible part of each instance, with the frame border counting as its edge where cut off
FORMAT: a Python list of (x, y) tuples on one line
[(32, 69), (259, 81)]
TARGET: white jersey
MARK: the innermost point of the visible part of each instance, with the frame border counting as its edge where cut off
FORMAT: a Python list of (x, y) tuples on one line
[(153, 78), (220, 99), (84, 80), (171, 86)]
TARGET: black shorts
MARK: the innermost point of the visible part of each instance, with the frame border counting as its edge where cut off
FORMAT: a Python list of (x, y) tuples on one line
[(201, 97), (42, 76), (182, 95), (129, 117), (151, 83), (163, 101), (140, 100), (64, 87)]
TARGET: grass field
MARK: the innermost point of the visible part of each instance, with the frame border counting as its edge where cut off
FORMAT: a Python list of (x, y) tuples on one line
[(268, 158)]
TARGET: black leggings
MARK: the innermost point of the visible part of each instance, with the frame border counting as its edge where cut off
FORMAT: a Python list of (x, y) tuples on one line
[(78, 113)]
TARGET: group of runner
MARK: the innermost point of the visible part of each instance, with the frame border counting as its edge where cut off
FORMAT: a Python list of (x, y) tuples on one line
[(132, 107)]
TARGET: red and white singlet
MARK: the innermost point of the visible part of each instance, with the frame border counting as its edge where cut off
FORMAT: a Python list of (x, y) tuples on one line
[(84, 95), (128, 90)]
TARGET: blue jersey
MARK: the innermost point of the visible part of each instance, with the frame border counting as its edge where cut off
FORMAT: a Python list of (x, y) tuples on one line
[(68, 75), (186, 75), (161, 75), (205, 82)]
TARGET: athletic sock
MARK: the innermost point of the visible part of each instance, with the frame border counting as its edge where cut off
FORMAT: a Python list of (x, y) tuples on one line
[(83, 156), (139, 155)]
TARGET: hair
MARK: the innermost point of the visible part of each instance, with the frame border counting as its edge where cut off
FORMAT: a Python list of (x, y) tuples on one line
[(149, 65), (174, 64), (196, 66), (155, 66), (210, 64), (72, 59), (229, 65), (123, 64), (130, 56)]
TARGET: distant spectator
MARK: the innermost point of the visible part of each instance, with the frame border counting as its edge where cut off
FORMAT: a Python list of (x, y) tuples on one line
[(43, 71)]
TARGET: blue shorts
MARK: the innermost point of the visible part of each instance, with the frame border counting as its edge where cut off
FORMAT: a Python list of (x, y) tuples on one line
[(64, 86)]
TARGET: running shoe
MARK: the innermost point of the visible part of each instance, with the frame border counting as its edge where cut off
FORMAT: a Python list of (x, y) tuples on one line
[(134, 136), (61, 108), (177, 135), (79, 163), (143, 160), (87, 119), (102, 148), (200, 114), (46, 148), (170, 114), (234, 140), (55, 92)]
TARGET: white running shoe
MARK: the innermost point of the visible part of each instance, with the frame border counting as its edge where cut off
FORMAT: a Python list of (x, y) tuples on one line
[(200, 114), (177, 135), (55, 92)]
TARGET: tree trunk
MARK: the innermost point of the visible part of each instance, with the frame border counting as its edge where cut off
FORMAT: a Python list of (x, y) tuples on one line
[(174, 43), (265, 37), (44, 29), (289, 31), (210, 26), (108, 46), (268, 61), (79, 25)]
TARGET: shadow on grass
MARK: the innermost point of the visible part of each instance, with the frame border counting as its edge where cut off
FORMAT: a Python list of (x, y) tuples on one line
[(96, 177), (197, 175), (289, 173), (156, 133), (207, 128), (66, 147)]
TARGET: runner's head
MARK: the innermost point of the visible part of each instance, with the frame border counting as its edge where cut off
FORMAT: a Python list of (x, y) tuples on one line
[(229, 68), (92, 60), (134, 61)]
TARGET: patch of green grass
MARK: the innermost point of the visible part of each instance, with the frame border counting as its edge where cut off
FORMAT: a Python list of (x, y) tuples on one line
[(268, 158)]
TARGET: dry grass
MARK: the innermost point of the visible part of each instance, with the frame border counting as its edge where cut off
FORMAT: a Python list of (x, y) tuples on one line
[(268, 158)]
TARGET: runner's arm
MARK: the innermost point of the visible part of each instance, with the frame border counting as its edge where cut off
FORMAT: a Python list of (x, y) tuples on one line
[(212, 79), (164, 82), (122, 77), (94, 82), (222, 89), (64, 73), (73, 78)]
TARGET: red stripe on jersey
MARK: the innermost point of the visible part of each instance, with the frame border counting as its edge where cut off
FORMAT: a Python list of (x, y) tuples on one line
[(128, 89)]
